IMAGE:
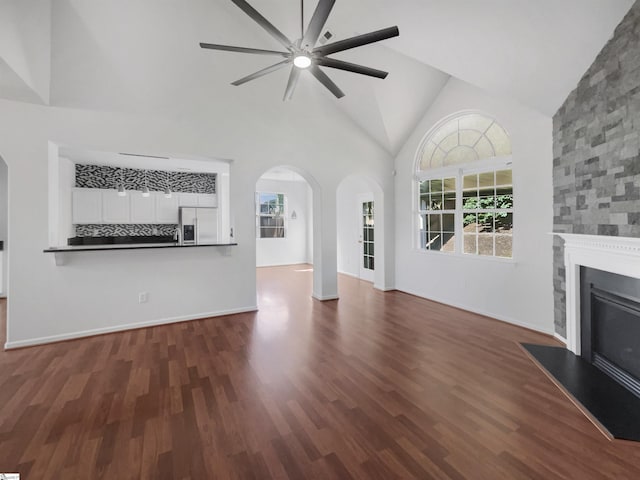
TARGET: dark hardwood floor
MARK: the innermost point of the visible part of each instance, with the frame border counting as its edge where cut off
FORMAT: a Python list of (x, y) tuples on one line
[(374, 386)]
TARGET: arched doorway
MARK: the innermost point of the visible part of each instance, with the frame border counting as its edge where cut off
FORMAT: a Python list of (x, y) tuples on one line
[(361, 230), (288, 209)]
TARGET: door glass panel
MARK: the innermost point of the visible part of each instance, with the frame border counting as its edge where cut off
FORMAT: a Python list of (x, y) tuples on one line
[(367, 235)]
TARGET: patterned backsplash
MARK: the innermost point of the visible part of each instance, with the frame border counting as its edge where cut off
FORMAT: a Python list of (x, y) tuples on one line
[(100, 176), (124, 230)]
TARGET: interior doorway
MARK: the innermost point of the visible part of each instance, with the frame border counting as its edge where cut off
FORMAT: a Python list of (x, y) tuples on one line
[(4, 246), (366, 240), (284, 219), (360, 230)]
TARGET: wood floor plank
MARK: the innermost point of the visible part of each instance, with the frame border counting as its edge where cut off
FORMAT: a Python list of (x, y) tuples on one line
[(375, 385)]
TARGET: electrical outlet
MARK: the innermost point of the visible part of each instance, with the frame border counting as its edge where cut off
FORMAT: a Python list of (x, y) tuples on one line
[(143, 297)]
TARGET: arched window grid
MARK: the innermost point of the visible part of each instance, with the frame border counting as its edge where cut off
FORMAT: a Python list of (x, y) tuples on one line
[(464, 188)]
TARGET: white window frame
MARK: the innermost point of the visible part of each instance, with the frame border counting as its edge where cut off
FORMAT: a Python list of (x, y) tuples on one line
[(260, 214), (458, 172)]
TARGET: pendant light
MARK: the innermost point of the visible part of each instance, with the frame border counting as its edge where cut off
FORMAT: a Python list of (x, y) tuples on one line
[(167, 189), (121, 191), (145, 189)]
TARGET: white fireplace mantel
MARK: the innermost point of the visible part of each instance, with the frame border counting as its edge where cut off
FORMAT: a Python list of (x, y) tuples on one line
[(619, 255)]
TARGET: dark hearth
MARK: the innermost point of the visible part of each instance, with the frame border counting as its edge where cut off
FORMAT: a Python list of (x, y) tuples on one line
[(610, 325), (612, 407)]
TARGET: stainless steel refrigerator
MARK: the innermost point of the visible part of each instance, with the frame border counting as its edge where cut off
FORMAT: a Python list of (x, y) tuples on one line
[(198, 226)]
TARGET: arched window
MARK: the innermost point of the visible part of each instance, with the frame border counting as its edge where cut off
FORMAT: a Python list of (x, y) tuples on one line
[(465, 188)]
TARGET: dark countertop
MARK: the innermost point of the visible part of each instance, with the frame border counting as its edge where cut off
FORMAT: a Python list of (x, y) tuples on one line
[(138, 246), (120, 240)]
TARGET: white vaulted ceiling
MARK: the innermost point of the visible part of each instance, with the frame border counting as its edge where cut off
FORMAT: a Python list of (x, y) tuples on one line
[(143, 56)]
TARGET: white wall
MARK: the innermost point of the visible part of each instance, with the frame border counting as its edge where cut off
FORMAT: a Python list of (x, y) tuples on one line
[(519, 292), (98, 291), (4, 211), (25, 43), (294, 248)]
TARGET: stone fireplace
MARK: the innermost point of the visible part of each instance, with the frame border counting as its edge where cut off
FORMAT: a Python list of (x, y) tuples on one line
[(603, 304)]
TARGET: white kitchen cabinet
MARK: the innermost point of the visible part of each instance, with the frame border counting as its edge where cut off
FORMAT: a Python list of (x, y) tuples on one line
[(187, 199), (87, 205), (166, 208), (143, 209), (207, 200), (115, 209)]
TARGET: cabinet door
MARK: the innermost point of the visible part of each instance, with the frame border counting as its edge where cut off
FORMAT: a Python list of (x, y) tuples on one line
[(207, 200), (143, 209), (115, 209), (87, 205), (166, 208), (188, 199)]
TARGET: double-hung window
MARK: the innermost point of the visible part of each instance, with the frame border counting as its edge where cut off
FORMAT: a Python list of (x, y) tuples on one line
[(271, 215), (465, 188)]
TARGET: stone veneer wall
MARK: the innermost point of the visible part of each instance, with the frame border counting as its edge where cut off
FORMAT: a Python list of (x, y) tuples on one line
[(596, 148)]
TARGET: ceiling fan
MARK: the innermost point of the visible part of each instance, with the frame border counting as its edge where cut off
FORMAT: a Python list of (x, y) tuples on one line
[(303, 54)]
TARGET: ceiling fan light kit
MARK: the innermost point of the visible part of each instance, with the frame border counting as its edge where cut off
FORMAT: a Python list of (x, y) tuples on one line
[(303, 53)]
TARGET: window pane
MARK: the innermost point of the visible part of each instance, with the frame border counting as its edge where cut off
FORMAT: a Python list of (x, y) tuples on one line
[(484, 149), (499, 139), (474, 121), (448, 222), (445, 130), (372, 262), (485, 222), (470, 181), (470, 200), (450, 201), (449, 184), (460, 155), (487, 180), (504, 177), (469, 137), (436, 186), (448, 240), (504, 222), (487, 202), (485, 244), (436, 201), (504, 246), (470, 243), (424, 187), (371, 250), (424, 202), (435, 241), (470, 222), (435, 223), (449, 142)]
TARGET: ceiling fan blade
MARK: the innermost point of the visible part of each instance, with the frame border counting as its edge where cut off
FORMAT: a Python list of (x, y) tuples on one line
[(326, 81), (264, 23), (358, 41), (291, 85), (317, 23), (229, 48), (262, 72), (351, 67)]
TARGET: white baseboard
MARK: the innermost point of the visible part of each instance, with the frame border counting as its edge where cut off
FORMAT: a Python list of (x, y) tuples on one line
[(120, 328), (384, 289), (349, 274), (286, 264), (557, 336), (325, 298), (501, 318)]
